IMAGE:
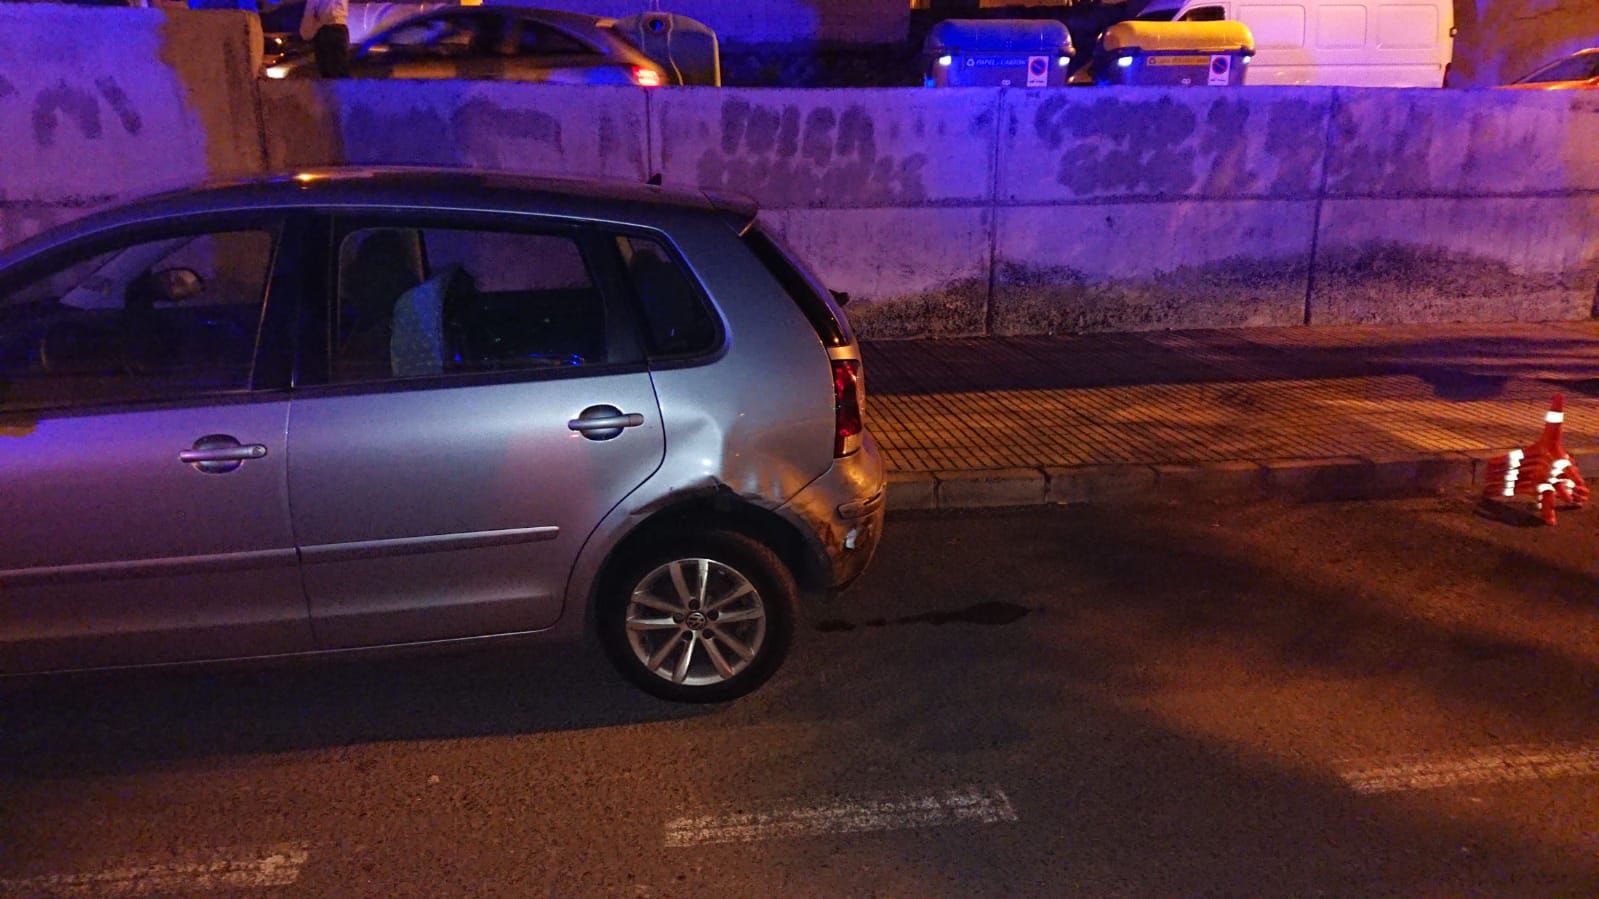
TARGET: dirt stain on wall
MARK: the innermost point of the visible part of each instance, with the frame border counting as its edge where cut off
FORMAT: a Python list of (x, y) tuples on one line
[(1237, 292), (956, 309), (1387, 282)]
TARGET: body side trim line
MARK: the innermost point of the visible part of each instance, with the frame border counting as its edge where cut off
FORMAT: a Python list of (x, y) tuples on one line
[(167, 567), (408, 546)]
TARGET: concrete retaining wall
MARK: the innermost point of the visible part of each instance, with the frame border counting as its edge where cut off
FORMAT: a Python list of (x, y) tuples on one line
[(942, 212), (563, 129), (1023, 212), (97, 104), (1459, 206)]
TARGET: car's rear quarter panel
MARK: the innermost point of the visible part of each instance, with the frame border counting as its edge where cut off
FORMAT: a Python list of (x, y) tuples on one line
[(757, 420)]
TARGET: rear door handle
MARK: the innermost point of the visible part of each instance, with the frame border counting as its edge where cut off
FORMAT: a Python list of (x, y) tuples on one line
[(609, 422), (604, 422), (220, 454)]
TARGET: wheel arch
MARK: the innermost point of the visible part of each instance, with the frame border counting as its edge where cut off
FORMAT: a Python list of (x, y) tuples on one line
[(720, 510)]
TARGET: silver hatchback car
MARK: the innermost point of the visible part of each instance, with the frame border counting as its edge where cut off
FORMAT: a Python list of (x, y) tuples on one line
[(352, 409)]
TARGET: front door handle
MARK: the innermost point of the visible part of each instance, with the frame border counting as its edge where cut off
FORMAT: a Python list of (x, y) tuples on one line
[(220, 454), (604, 422)]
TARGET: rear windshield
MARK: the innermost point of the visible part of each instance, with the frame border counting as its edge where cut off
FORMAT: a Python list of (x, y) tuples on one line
[(807, 292)]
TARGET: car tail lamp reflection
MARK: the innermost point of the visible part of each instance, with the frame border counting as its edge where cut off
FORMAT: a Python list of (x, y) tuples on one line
[(646, 77), (847, 418)]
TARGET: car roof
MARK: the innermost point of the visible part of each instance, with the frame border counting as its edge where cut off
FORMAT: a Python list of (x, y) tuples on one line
[(403, 187)]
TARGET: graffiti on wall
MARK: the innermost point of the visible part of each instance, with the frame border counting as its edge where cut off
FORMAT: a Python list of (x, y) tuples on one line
[(1213, 145), (59, 105), (787, 155)]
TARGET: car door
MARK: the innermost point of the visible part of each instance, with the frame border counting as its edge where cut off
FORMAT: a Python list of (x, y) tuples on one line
[(483, 404), (143, 471)]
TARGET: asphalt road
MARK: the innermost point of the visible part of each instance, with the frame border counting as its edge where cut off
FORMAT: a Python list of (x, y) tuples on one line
[(1362, 699)]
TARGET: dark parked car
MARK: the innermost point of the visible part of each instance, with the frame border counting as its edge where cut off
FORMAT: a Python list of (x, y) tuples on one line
[(386, 408), (495, 42), (1579, 71)]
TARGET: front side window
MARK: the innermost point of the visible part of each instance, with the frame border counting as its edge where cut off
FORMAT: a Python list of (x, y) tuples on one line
[(425, 302), (1205, 14), (157, 320)]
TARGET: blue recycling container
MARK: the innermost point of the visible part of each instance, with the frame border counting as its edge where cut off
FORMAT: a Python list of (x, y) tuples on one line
[(997, 53)]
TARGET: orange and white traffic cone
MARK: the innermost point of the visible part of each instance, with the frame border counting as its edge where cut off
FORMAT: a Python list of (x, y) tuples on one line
[(1542, 469)]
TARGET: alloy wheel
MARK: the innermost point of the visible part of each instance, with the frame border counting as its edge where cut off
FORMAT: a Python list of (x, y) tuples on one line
[(696, 622)]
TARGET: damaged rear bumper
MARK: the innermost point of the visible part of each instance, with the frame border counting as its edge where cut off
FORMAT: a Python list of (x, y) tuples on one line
[(843, 510)]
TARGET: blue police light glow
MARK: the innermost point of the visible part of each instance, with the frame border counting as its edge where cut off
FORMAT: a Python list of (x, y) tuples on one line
[(1064, 61), (1125, 62), (945, 60)]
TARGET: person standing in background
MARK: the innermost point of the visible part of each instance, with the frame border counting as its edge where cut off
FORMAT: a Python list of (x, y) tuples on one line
[(326, 25)]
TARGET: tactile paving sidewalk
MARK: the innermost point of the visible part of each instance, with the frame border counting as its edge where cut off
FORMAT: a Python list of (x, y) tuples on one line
[(1209, 396)]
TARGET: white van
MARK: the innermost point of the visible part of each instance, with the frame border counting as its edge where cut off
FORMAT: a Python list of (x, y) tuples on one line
[(1362, 43)]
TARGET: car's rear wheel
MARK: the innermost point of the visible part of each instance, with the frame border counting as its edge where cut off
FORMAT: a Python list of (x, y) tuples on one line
[(701, 619)]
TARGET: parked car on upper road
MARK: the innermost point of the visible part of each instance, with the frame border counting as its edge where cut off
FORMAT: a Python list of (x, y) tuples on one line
[(360, 409), (1578, 71), (500, 42)]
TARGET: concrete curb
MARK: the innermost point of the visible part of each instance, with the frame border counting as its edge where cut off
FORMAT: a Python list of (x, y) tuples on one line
[(1303, 480)]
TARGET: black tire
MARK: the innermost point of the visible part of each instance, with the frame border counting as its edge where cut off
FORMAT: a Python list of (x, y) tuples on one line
[(775, 592)]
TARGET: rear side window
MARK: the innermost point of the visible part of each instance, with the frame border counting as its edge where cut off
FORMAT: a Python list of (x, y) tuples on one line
[(423, 302), (677, 323), (539, 40), (804, 289)]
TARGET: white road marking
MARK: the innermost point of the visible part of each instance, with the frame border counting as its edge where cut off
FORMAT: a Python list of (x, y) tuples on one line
[(976, 805), (227, 869), (1501, 764)]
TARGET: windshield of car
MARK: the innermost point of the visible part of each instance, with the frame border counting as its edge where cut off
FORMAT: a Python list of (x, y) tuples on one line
[(1572, 68)]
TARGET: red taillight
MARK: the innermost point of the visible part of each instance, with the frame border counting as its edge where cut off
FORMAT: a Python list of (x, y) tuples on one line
[(847, 420), (646, 77)]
